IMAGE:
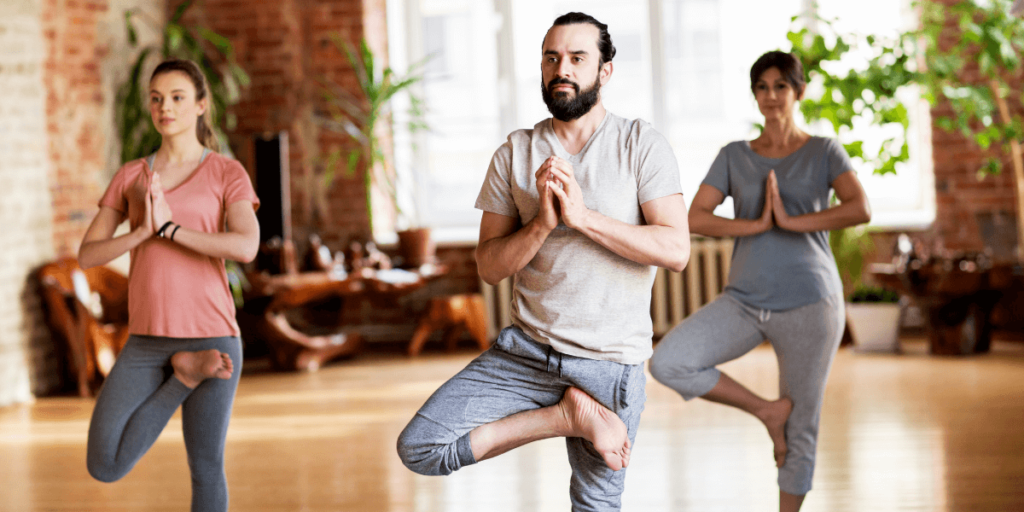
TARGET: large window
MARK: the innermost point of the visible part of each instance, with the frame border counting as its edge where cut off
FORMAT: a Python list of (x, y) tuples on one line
[(682, 65)]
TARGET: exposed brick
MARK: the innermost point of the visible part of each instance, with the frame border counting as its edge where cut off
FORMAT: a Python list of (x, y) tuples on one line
[(27, 225), (959, 194)]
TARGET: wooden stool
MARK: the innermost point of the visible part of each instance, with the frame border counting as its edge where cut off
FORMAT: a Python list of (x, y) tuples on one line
[(454, 313)]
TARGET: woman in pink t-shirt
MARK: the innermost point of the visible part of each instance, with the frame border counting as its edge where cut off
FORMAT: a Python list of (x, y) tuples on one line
[(189, 209)]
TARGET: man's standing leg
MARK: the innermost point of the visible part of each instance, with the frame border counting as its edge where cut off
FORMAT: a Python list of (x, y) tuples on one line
[(594, 486)]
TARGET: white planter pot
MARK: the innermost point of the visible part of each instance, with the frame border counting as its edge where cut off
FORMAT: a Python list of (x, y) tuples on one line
[(875, 327)]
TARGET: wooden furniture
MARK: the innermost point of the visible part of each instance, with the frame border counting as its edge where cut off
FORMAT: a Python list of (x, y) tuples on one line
[(87, 310), (958, 295), (452, 313), (271, 297)]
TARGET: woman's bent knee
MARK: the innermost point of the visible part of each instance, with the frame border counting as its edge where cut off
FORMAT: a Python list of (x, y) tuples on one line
[(688, 382)]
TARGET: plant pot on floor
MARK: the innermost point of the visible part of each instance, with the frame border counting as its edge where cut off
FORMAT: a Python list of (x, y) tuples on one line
[(875, 326), (874, 315), (416, 247)]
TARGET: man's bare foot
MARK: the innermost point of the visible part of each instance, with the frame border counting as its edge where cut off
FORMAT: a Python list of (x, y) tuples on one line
[(594, 422), (774, 418), (191, 368)]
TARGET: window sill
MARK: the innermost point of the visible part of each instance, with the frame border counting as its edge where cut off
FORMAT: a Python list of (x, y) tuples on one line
[(912, 220)]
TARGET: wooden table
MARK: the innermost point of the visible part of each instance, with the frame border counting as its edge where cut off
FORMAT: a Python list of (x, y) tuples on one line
[(957, 295), (272, 296)]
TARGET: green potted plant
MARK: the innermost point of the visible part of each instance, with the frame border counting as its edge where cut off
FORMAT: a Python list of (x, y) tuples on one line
[(361, 118), (872, 314)]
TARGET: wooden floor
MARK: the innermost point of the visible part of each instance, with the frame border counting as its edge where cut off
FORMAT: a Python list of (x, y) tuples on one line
[(899, 433)]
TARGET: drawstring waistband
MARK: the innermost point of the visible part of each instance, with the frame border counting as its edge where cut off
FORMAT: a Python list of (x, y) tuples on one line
[(552, 364), (764, 315)]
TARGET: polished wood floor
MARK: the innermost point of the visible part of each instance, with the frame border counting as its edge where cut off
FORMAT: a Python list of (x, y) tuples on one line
[(903, 432)]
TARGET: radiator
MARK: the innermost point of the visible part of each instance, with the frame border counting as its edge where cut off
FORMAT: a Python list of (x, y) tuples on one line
[(675, 295)]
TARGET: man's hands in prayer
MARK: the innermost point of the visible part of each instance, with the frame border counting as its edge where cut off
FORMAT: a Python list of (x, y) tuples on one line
[(558, 174)]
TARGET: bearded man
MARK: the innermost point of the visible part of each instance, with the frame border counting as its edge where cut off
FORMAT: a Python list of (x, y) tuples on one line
[(580, 209)]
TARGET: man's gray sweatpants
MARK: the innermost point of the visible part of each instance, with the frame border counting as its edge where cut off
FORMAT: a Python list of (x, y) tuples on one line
[(519, 374), (805, 340)]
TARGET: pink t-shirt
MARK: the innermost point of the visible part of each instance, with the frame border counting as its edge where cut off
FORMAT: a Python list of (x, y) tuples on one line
[(174, 291)]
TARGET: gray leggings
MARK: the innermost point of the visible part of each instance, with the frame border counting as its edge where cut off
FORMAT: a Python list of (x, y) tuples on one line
[(519, 374), (805, 340), (138, 398)]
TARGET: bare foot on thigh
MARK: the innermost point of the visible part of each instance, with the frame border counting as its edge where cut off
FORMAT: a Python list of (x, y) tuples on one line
[(191, 368), (594, 422), (774, 419)]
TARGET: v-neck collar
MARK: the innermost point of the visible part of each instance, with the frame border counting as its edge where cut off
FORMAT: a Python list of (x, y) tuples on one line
[(202, 159), (559, 148)]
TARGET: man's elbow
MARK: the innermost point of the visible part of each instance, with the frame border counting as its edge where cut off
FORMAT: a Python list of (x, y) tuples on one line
[(489, 279), (680, 257), (487, 271)]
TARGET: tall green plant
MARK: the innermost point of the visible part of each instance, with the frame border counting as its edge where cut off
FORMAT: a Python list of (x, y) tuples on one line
[(991, 39), (868, 91), (359, 117), (988, 37), (213, 53)]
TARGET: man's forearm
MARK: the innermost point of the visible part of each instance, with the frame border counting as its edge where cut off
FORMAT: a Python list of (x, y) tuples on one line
[(501, 257), (662, 246)]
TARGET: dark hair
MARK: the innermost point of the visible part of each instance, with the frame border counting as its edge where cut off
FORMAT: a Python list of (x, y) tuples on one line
[(787, 64), (604, 40), (204, 125)]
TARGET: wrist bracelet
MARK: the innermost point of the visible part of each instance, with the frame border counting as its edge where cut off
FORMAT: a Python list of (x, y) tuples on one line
[(175, 230), (160, 232)]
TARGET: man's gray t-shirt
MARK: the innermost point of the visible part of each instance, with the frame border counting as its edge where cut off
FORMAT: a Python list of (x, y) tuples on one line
[(575, 295), (779, 269)]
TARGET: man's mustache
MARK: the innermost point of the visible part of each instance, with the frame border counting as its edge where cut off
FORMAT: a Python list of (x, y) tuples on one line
[(560, 81)]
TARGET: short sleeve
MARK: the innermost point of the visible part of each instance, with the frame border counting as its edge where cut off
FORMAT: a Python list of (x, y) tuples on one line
[(718, 174), (838, 160), (496, 193), (115, 196), (238, 186), (658, 171)]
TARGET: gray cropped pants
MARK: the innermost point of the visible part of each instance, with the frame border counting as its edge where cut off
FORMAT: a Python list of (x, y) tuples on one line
[(519, 374), (141, 394), (805, 340)]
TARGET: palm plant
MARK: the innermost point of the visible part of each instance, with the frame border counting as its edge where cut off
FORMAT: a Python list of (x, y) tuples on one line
[(360, 116)]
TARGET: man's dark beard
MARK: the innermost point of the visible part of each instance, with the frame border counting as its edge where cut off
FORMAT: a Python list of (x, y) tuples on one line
[(565, 109)]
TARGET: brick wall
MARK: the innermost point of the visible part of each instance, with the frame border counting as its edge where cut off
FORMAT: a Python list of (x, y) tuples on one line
[(61, 63), (75, 115), (972, 214), (26, 234), (286, 47)]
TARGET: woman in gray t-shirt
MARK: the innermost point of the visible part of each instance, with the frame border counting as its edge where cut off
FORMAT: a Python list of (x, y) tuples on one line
[(783, 284)]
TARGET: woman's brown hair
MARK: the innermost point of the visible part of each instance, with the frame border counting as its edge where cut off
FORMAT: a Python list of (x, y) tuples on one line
[(787, 64), (204, 125)]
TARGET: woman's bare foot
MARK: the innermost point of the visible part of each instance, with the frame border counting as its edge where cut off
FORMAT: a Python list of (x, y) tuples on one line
[(191, 368), (594, 422), (774, 418)]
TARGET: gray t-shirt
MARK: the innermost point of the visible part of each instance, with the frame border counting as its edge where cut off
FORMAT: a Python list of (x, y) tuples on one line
[(779, 269), (575, 295)]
